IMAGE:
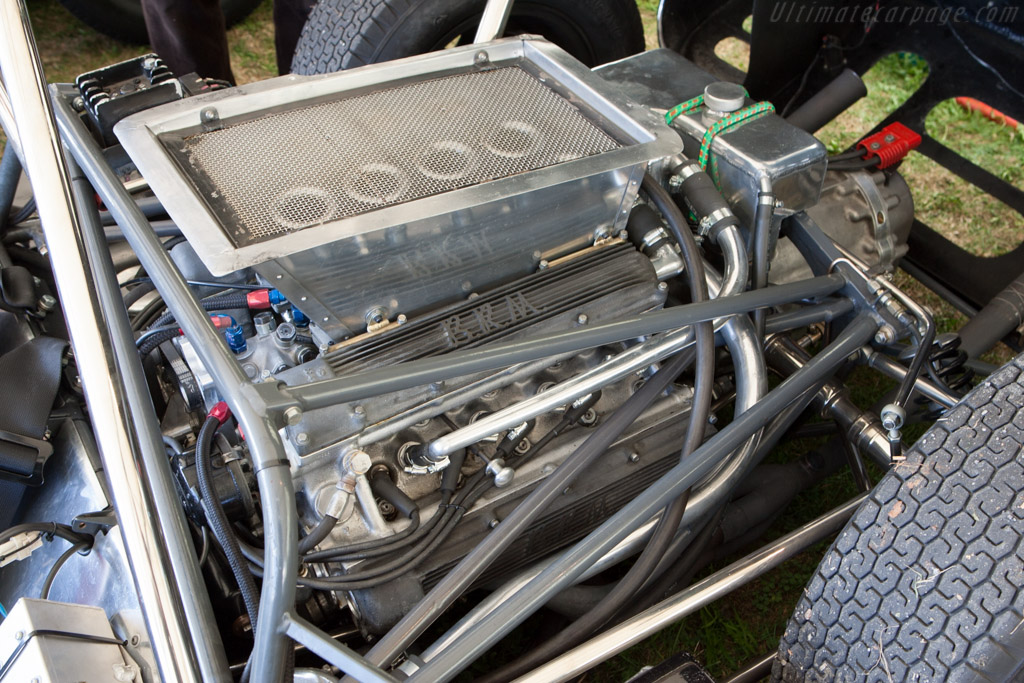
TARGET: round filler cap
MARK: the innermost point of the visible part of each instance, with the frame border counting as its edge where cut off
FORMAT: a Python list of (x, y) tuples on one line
[(724, 97)]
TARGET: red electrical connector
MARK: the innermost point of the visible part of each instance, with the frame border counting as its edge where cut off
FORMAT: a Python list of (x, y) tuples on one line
[(890, 144), (221, 412)]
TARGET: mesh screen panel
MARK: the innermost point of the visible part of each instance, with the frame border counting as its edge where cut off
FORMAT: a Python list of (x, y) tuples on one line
[(295, 169)]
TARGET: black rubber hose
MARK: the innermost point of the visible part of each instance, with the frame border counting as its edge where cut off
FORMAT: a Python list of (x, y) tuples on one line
[(221, 302), (643, 221), (526, 512), (148, 314), (44, 592), (137, 292), (701, 195), (665, 530), (829, 102), (383, 486), (317, 534), (10, 174), (366, 549), (997, 319), (395, 567), (218, 521), (150, 343)]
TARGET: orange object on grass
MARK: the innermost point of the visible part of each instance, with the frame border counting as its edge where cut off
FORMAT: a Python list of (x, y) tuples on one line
[(971, 104)]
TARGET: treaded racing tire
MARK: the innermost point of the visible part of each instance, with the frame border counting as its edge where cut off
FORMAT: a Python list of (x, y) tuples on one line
[(925, 582), (342, 34), (122, 19)]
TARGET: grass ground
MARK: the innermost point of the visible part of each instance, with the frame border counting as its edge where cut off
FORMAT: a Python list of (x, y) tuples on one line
[(748, 624)]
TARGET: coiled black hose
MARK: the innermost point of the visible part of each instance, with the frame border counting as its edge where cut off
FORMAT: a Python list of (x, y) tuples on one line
[(218, 521)]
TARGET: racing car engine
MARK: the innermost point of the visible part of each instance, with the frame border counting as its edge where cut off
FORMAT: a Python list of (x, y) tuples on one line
[(469, 198)]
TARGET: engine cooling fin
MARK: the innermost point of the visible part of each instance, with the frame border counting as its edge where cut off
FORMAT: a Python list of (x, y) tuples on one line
[(502, 311)]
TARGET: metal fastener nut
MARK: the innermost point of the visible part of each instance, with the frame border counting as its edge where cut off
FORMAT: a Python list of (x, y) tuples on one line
[(47, 303), (885, 335), (293, 415)]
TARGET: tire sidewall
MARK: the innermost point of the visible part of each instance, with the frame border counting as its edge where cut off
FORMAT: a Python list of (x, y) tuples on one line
[(594, 31)]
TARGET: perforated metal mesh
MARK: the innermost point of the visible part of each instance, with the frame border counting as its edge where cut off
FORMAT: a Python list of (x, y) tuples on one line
[(295, 169)]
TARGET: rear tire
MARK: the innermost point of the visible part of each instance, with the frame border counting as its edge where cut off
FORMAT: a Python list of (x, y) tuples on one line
[(342, 34), (122, 19), (925, 582)]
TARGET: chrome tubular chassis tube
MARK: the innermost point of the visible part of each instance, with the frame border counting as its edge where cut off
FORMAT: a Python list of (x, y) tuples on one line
[(632, 631), (630, 360), (109, 401), (570, 565), (259, 421), (627, 362), (166, 511), (360, 385), (739, 334), (492, 23), (7, 121)]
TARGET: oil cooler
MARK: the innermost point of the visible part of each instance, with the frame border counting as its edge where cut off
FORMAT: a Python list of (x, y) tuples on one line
[(395, 187)]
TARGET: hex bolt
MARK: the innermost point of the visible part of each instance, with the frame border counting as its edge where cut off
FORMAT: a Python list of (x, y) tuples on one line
[(293, 415), (582, 319), (302, 438), (893, 417), (357, 462), (47, 303), (885, 335), (265, 323), (493, 524), (375, 316), (634, 457), (286, 334)]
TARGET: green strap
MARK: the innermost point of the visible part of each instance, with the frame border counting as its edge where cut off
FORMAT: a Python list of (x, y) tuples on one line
[(728, 122), (680, 109)]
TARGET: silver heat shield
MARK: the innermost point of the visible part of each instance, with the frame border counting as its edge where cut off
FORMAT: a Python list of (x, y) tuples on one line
[(400, 186)]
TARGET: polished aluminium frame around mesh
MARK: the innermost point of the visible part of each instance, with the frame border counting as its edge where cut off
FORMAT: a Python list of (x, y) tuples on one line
[(164, 567)]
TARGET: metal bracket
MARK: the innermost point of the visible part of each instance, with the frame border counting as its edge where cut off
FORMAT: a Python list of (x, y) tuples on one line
[(94, 523), (879, 211), (209, 119)]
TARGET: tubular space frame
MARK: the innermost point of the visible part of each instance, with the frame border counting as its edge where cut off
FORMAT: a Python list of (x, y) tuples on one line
[(258, 408)]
